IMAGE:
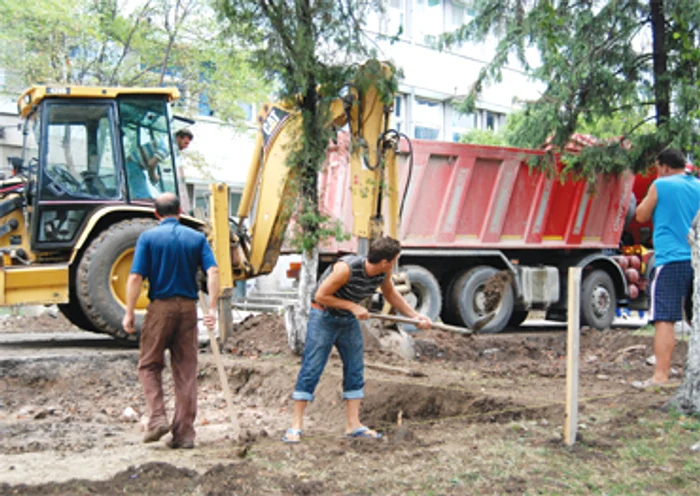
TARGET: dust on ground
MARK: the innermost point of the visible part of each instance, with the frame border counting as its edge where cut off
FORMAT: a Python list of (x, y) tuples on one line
[(73, 426)]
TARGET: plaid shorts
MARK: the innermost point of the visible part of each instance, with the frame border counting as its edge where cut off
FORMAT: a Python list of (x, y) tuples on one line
[(671, 287)]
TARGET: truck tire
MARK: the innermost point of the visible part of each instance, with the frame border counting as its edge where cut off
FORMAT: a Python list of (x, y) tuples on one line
[(468, 297), (102, 274), (598, 300), (426, 291)]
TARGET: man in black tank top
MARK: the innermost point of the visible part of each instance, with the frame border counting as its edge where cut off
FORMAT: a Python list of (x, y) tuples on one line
[(333, 321)]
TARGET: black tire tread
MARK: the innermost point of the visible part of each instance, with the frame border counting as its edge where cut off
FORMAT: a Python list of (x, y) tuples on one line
[(91, 303)]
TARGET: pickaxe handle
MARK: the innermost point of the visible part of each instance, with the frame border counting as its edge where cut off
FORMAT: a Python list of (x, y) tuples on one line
[(435, 325)]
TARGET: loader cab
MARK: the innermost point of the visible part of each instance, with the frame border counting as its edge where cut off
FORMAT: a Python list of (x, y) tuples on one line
[(86, 148)]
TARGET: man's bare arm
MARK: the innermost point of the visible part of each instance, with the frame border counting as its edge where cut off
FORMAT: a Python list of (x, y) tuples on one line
[(133, 290), (646, 209), (213, 288)]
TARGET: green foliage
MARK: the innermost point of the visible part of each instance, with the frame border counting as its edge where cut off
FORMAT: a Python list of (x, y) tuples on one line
[(124, 43), (484, 137), (310, 50), (601, 74)]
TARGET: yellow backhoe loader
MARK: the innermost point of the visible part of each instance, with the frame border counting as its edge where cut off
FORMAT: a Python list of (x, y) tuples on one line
[(93, 160)]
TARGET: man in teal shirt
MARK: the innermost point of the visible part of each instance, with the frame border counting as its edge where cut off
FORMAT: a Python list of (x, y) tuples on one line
[(672, 201)]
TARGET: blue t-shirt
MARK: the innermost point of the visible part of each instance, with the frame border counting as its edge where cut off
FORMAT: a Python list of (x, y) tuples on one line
[(678, 202), (169, 256)]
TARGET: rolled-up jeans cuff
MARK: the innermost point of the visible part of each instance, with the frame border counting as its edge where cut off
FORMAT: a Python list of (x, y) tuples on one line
[(302, 396), (357, 394)]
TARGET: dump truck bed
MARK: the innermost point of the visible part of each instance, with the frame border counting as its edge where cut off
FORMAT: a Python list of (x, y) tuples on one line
[(462, 196)]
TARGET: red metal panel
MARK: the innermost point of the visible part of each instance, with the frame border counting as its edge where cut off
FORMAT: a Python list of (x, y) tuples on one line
[(479, 197), (430, 178), (523, 204)]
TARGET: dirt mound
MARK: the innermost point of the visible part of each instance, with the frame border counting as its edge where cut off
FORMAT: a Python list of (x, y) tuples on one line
[(258, 335)]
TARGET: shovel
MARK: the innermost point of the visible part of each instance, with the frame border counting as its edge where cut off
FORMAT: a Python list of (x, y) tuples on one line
[(478, 325), (236, 428)]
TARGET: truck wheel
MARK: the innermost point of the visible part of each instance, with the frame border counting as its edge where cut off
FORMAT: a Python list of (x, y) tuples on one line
[(598, 300), (102, 274), (517, 318), (469, 298), (425, 295)]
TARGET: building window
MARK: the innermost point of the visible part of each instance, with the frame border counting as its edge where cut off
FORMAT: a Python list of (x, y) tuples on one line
[(427, 119), (233, 203), (461, 123), (493, 120), (427, 17), (391, 21), (399, 117), (460, 14)]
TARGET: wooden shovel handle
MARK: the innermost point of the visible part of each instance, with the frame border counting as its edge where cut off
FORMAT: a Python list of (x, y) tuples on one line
[(435, 325)]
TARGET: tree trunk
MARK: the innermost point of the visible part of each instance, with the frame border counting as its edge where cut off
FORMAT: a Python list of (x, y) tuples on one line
[(687, 397), (296, 316), (662, 84)]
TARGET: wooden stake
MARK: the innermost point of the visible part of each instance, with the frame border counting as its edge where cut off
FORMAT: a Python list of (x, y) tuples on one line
[(236, 428), (572, 355)]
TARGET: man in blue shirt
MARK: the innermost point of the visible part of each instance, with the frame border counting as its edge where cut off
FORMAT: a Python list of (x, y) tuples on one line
[(169, 256), (672, 201)]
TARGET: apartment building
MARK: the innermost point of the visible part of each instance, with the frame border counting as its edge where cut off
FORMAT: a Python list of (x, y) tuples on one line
[(433, 80)]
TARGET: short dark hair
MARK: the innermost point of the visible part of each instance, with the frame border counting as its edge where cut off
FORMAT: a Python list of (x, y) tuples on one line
[(384, 248), (672, 157), (167, 204), (184, 132)]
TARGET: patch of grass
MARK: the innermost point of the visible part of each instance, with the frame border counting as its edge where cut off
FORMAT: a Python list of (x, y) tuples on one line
[(647, 330)]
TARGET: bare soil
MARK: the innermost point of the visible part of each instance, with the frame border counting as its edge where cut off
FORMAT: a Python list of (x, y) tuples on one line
[(466, 423)]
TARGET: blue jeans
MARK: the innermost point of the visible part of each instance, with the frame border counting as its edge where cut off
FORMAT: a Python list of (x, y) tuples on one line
[(322, 332)]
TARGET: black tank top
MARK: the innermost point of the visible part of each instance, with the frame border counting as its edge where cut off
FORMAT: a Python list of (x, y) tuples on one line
[(359, 285)]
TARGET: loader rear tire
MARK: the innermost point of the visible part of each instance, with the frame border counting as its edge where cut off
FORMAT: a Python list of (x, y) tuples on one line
[(102, 274)]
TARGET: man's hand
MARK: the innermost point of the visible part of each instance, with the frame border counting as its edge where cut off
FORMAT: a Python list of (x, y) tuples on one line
[(360, 312), (425, 322), (210, 319), (128, 323)]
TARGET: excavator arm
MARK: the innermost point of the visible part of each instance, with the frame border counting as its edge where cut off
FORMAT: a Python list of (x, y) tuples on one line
[(269, 196)]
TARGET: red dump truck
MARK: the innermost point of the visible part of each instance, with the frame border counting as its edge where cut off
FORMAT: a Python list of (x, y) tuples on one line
[(470, 211)]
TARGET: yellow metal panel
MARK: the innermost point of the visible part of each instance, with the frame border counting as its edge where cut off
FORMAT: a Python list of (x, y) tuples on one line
[(41, 285), (220, 232), (393, 193), (21, 231), (276, 197), (34, 95)]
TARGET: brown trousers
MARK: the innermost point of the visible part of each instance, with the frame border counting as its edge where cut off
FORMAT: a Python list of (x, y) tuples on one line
[(170, 324)]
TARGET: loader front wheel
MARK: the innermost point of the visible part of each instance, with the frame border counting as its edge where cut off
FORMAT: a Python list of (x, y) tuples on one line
[(102, 275)]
